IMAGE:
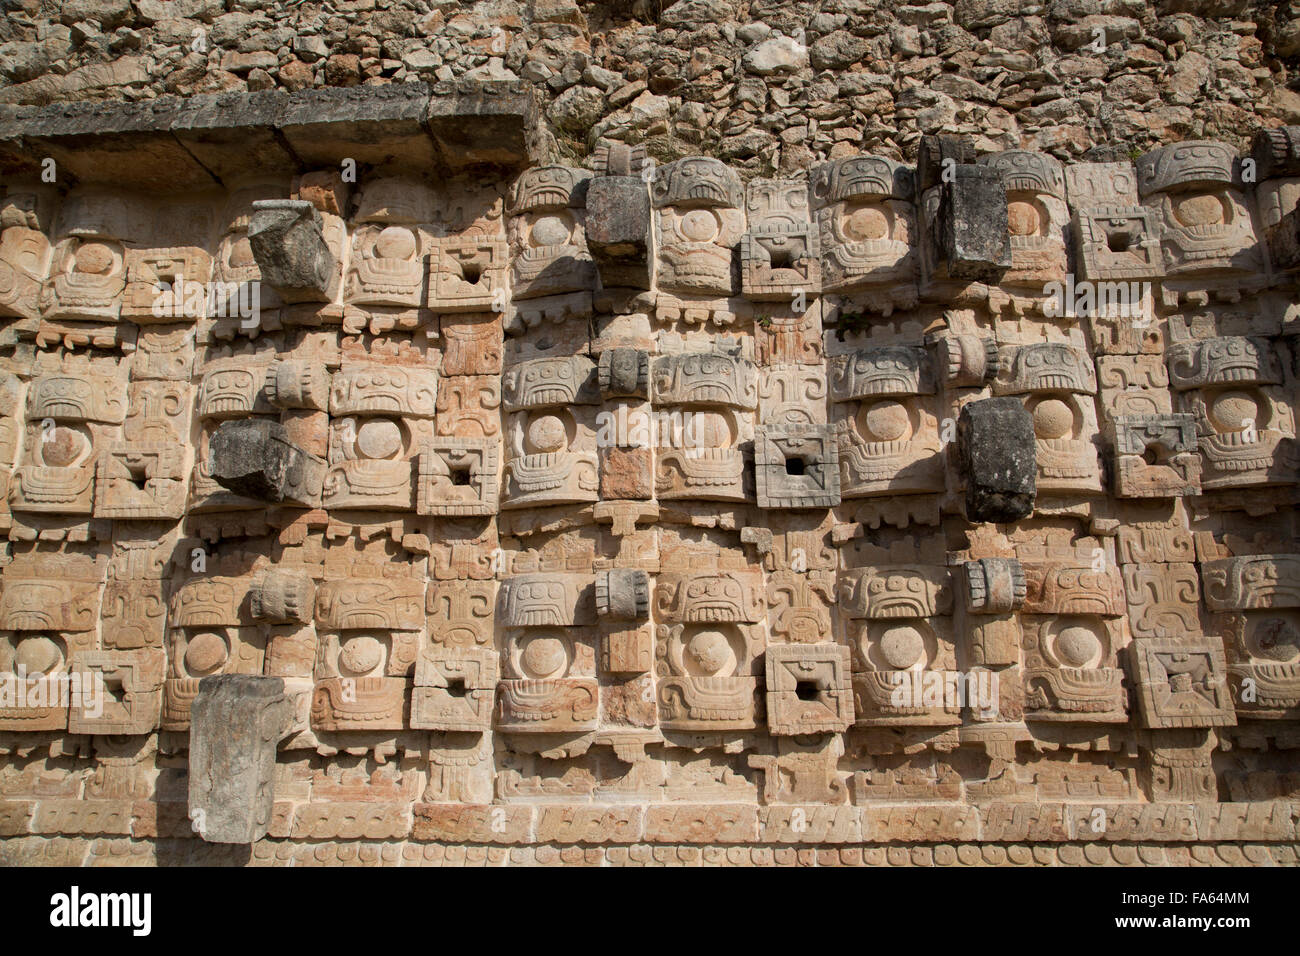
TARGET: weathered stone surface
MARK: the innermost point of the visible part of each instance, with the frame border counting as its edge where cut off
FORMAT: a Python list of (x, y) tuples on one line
[(996, 448), (237, 721), (972, 224), (254, 458), (585, 452), (291, 252), (618, 230)]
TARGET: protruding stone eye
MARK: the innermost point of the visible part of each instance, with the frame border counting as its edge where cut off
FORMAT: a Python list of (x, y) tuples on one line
[(61, 446), (205, 654), (710, 653), (360, 655), (902, 647), (699, 225), (379, 438), (1233, 411), (867, 222), (549, 231), (547, 433), (1203, 210), (1053, 418), (544, 657), (886, 421), (1022, 218), (37, 654), (395, 242), (94, 258), (1077, 646)]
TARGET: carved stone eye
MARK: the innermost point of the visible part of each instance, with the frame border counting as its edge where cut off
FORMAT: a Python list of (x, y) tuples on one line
[(1276, 639), (205, 654), (94, 258), (1053, 418), (1204, 210), (360, 655), (902, 647), (241, 254), (886, 421), (1233, 411), (710, 654), (699, 225), (395, 243), (549, 231), (544, 657), (61, 446), (37, 654), (546, 433), (379, 438), (866, 222), (1022, 218), (1077, 646)]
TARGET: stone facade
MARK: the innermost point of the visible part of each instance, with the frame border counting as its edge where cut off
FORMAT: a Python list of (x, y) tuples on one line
[(400, 495)]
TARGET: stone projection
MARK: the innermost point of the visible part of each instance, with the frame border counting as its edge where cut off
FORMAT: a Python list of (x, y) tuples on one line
[(390, 489)]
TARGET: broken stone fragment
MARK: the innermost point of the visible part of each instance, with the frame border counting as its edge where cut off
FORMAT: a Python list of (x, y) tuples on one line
[(995, 438), (288, 242), (618, 230), (972, 227), (939, 151), (254, 458), (236, 723)]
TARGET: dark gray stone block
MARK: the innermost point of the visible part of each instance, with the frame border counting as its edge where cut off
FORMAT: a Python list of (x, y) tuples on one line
[(254, 458), (287, 239), (618, 230), (1276, 152), (972, 227), (995, 441), (485, 123), (236, 723), (937, 150)]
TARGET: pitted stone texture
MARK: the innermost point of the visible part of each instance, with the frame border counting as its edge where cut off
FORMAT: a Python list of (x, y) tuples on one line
[(237, 721), (996, 447)]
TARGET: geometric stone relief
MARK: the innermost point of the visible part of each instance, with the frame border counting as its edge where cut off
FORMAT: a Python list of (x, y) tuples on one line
[(540, 491)]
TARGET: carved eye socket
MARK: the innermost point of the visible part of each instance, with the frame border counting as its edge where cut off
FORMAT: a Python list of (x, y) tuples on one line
[(1204, 210), (1233, 411), (94, 258), (395, 243), (360, 655), (205, 654), (902, 647), (699, 225), (867, 222), (37, 654), (549, 231)]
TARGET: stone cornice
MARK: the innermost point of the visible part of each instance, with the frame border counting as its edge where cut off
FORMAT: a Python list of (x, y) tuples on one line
[(174, 143)]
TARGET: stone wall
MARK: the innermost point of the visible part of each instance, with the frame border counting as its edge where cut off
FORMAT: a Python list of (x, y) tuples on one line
[(379, 490), (770, 87)]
